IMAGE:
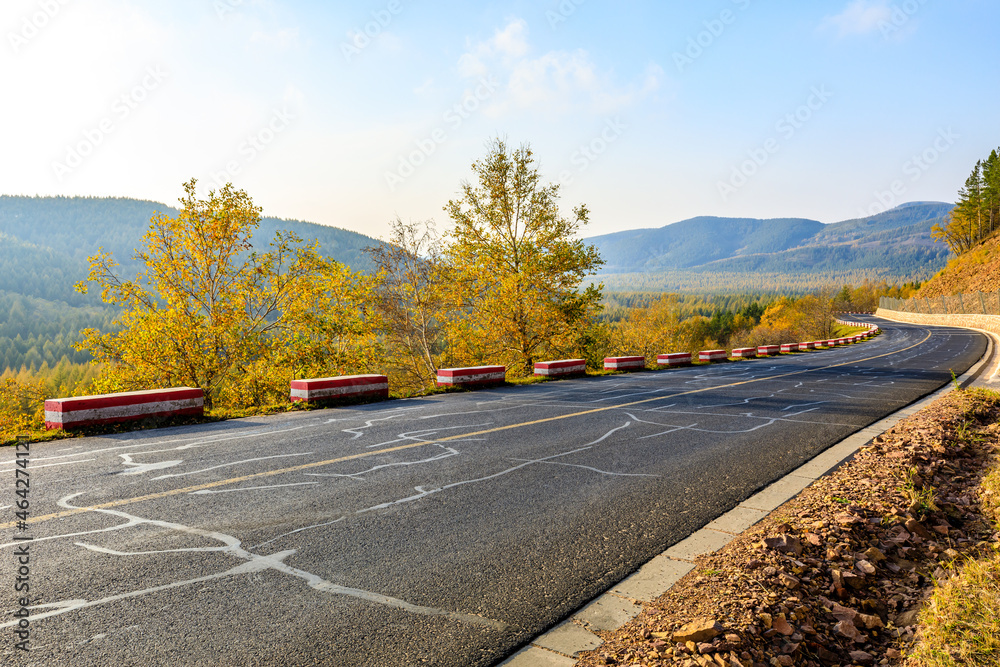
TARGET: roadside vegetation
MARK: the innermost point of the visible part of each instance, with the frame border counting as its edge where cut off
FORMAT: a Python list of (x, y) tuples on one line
[(203, 302)]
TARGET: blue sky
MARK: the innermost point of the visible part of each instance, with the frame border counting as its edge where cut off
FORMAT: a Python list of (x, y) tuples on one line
[(350, 114)]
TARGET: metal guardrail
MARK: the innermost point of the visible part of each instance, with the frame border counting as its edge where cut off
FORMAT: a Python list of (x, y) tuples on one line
[(973, 303)]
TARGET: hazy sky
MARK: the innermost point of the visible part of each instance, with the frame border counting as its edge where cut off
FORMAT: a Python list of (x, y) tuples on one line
[(650, 112)]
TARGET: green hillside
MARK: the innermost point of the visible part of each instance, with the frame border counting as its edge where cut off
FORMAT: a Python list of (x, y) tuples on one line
[(717, 254), (44, 245), (698, 241)]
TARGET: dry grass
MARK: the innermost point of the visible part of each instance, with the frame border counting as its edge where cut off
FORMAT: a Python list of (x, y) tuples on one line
[(961, 623)]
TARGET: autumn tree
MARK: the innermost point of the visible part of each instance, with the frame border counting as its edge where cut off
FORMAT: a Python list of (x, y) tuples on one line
[(412, 301), (209, 310), (517, 264), (977, 210)]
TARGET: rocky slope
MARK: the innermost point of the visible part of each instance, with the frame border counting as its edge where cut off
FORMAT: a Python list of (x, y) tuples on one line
[(837, 575), (976, 270)]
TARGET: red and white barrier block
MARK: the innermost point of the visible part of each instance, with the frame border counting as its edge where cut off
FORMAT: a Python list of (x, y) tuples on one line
[(810, 345), (744, 353), (318, 390), (624, 363), (712, 355), (674, 359), (768, 350), (475, 376), (82, 411), (562, 367), (789, 347)]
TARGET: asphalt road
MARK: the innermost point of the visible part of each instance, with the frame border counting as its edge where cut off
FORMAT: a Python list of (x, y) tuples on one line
[(446, 531)]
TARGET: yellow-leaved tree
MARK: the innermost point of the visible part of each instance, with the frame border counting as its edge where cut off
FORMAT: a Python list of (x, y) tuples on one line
[(413, 303), (517, 266), (210, 311)]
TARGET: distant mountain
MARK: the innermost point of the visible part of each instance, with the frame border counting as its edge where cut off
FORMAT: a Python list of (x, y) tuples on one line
[(44, 245), (45, 241), (894, 245), (698, 241)]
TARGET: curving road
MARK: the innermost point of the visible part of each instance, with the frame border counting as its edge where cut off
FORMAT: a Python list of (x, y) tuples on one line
[(447, 530)]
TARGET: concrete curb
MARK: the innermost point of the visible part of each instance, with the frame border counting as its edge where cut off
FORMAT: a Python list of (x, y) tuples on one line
[(560, 646)]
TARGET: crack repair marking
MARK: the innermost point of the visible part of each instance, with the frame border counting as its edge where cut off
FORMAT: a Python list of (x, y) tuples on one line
[(412, 445)]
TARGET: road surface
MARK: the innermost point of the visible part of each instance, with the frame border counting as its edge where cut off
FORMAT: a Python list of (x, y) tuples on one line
[(447, 530)]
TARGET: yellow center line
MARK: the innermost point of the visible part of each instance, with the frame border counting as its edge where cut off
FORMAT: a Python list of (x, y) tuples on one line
[(424, 443)]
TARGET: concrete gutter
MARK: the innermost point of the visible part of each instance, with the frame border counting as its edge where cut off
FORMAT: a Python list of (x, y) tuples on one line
[(560, 646)]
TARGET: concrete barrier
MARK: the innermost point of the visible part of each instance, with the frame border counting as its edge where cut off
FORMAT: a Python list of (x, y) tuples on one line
[(561, 367), (744, 353), (624, 363), (830, 343), (768, 350), (475, 376), (318, 390), (807, 346), (674, 359), (712, 355), (79, 411), (789, 347)]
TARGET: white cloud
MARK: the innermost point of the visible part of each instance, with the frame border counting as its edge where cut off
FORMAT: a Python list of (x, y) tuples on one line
[(859, 17), (285, 38), (553, 82)]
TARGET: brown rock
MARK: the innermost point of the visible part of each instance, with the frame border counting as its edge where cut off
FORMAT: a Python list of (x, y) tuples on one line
[(847, 519), (906, 618), (847, 629), (784, 627), (942, 529), (698, 631), (789, 581), (827, 656), (916, 528), (785, 544), (864, 567), (875, 555), (862, 658), (813, 539), (842, 613), (870, 621), (765, 618)]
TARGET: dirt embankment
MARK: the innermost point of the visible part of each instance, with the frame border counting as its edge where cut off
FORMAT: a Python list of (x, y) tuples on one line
[(837, 575), (976, 271)]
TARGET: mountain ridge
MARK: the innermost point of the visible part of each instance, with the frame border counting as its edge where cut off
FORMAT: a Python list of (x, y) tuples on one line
[(895, 244)]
